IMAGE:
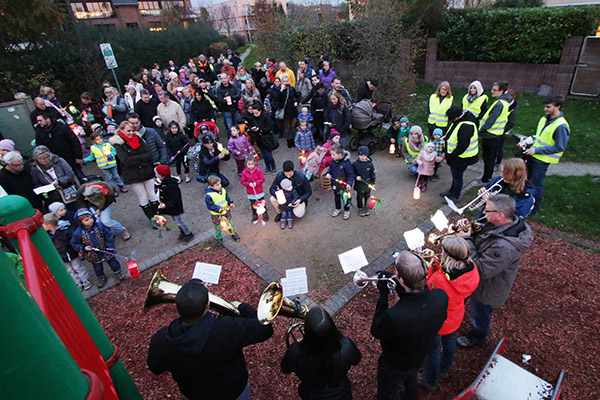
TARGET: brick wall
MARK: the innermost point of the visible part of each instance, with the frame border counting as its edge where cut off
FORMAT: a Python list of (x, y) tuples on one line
[(524, 78)]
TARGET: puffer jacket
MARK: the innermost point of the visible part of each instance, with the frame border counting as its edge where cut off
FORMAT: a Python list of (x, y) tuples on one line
[(136, 165)]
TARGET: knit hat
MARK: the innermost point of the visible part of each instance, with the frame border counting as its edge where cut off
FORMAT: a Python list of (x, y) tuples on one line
[(363, 151), (163, 170), (172, 75), (83, 211), (53, 208), (333, 134), (7, 144), (286, 184), (404, 119), (96, 126), (437, 131), (304, 109), (416, 128), (155, 118)]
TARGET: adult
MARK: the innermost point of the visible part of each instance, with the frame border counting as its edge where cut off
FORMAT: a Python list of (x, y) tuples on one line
[(303, 86), (174, 86), (227, 99), (15, 178), (92, 107), (512, 120), (49, 169), (491, 128), (236, 60), (326, 74), (136, 166), (186, 106), (229, 70), (43, 107), (155, 144), (172, 67), (146, 108), (209, 159), (318, 105), (336, 86), (257, 72), (366, 89), (322, 359), (169, 110), (496, 250), (439, 103), (203, 353), (337, 116), (271, 68), (461, 148), (241, 77), (552, 137), (408, 329), (159, 87), (475, 101), (131, 96), (100, 196), (202, 108), (146, 82), (412, 147), (261, 134), (285, 71), (457, 275), (250, 93), (117, 107), (306, 69), (60, 139), (299, 182), (287, 99)]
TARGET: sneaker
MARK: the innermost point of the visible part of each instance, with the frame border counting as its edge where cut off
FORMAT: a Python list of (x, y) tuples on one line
[(181, 234), (254, 221), (80, 287), (336, 212), (125, 235), (119, 275), (496, 167), (367, 212), (219, 243), (274, 171), (265, 218), (290, 223), (264, 223), (278, 218), (116, 194), (123, 189), (346, 214), (485, 180), (235, 237), (86, 285), (188, 237), (465, 342), (102, 281), (421, 382), (187, 178), (283, 223), (254, 218)]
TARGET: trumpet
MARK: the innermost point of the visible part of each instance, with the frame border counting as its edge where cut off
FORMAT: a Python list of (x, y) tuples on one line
[(476, 225), (478, 201), (361, 279)]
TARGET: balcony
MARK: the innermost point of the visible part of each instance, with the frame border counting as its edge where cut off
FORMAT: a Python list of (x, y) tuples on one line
[(93, 14)]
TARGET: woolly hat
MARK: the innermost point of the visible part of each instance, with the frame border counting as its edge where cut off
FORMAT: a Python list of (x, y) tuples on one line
[(7, 144), (416, 128), (163, 170), (96, 126), (363, 151), (53, 208), (333, 134), (437, 131), (404, 119), (286, 184), (155, 118), (172, 75)]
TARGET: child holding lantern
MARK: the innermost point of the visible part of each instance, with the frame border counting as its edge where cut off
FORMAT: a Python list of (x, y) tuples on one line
[(341, 174), (253, 178), (171, 202), (219, 204), (365, 178), (426, 160)]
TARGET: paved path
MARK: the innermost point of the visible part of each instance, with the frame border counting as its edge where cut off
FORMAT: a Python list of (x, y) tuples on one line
[(568, 168), (246, 52)]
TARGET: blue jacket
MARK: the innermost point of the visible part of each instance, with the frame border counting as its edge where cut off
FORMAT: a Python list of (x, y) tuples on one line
[(61, 239), (366, 171), (210, 204), (341, 169), (291, 197), (524, 201), (97, 236)]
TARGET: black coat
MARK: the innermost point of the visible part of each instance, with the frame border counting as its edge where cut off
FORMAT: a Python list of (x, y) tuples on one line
[(20, 184), (315, 382), (366, 171), (61, 239), (208, 163), (136, 165), (340, 118), (175, 143), (53, 112), (265, 128), (170, 195), (206, 359), (299, 182), (464, 138), (156, 145), (364, 92), (231, 91), (147, 111), (61, 140), (286, 98), (202, 110)]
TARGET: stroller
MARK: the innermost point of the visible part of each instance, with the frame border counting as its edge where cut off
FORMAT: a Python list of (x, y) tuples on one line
[(366, 119), (206, 126)]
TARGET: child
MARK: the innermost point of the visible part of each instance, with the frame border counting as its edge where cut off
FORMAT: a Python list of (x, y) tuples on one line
[(170, 200), (287, 211), (426, 161), (325, 150), (340, 170), (304, 141), (65, 217), (305, 116), (176, 141), (365, 173), (91, 234), (160, 128), (398, 132), (253, 178), (219, 204), (104, 153), (438, 146), (239, 147), (60, 238)]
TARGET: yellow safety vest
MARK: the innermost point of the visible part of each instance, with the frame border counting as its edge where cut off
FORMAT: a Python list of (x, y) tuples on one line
[(104, 156), (437, 110), (498, 127), (220, 199), (475, 107), (545, 138), (452, 142), (414, 154)]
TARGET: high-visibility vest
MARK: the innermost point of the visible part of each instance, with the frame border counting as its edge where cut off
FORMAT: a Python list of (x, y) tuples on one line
[(452, 141), (437, 110), (498, 127), (545, 138), (414, 154), (474, 107), (220, 200), (105, 156)]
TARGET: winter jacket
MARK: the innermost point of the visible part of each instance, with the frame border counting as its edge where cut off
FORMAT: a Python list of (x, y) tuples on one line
[(303, 87), (206, 358), (299, 183), (231, 91), (176, 142), (64, 173), (119, 109), (366, 171), (104, 155), (21, 183), (326, 160), (458, 288), (255, 175), (155, 144), (524, 200), (327, 77), (427, 167), (170, 196), (209, 163), (291, 196), (342, 170), (97, 236), (97, 194), (497, 251), (147, 111), (239, 145), (286, 98), (464, 139), (61, 238), (186, 106), (305, 140), (61, 140), (340, 118), (316, 382), (202, 110), (364, 92), (265, 128), (171, 111), (136, 165)]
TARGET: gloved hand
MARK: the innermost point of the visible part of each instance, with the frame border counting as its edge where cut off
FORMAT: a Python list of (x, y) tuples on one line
[(382, 286)]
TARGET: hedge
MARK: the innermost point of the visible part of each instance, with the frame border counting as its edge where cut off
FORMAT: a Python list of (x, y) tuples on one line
[(336, 40), (524, 35)]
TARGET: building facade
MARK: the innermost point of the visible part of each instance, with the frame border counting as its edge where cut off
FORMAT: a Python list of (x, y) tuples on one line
[(234, 17)]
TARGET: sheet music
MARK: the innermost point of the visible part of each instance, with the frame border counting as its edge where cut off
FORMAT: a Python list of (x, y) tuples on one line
[(295, 282), (415, 239), (439, 220), (353, 260), (208, 273)]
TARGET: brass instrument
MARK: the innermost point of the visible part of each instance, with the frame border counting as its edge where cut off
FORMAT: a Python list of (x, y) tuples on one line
[(361, 279), (162, 291), (478, 201), (476, 225)]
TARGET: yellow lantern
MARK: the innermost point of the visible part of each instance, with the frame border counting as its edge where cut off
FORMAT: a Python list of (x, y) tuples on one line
[(280, 196), (392, 148)]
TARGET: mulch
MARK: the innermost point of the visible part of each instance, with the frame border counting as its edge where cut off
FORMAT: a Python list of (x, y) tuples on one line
[(552, 315)]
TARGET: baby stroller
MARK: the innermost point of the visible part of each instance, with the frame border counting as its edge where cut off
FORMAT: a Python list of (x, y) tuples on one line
[(205, 126), (367, 119)]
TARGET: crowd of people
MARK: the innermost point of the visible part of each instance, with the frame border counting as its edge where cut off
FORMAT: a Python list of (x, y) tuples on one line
[(168, 118)]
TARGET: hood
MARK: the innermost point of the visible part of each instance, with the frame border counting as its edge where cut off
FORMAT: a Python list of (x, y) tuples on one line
[(83, 211), (346, 156), (190, 339), (467, 282), (506, 97), (517, 233), (208, 189), (479, 87)]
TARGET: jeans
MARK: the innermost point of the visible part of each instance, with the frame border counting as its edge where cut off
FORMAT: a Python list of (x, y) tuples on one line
[(110, 223), (269, 160), (204, 178), (113, 263), (246, 393), (389, 382), (435, 365), (229, 119), (337, 198), (457, 180), (413, 169), (111, 176), (488, 154), (78, 172), (285, 215), (181, 224), (536, 173), (481, 318), (144, 191)]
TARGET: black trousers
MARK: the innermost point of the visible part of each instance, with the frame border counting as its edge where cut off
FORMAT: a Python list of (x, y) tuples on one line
[(489, 147)]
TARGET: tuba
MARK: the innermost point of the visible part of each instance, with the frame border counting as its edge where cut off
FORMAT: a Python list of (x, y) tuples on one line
[(162, 291)]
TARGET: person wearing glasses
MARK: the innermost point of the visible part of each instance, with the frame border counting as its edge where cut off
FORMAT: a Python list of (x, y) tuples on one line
[(496, 250), (406, 330), (492, 126)]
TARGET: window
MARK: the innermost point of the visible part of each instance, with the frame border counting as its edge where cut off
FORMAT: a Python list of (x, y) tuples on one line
[(133, 26), (77, 7), (149, 7), (172, 4), (155, 26), (94, 9)]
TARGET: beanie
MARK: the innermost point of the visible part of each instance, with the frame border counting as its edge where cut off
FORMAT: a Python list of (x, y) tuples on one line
[(416, 128), (437, 131), (333, 134), (7, 144), (286, 184), (163, 170), (53, 208), (363, 151)]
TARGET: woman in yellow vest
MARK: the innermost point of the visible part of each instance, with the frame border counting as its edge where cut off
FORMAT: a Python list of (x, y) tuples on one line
[(412, 147), (475, 101), (439, 103)]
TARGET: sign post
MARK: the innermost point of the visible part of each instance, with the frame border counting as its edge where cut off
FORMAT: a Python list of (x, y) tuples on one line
[(110, 60)]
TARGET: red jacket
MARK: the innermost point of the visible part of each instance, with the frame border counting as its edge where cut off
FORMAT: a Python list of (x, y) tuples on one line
[(257, 176), (457, 290)]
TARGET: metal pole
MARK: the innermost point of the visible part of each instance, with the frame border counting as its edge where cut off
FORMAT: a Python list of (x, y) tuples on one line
[(117, 81)]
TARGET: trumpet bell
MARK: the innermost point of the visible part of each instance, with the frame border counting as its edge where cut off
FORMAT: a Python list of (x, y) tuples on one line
[(360, 279), (272, 303)]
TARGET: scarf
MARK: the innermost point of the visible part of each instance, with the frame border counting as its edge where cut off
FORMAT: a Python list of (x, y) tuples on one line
[(427, 156), (471, 97), (134, 142), (416, 146)]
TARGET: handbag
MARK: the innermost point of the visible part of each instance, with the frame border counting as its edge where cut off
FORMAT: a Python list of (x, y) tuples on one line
[(271, 142), (280, 114), (67, 194)]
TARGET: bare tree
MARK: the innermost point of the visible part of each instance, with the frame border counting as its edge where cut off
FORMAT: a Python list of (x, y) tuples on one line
[(271, 28), (223, 20)]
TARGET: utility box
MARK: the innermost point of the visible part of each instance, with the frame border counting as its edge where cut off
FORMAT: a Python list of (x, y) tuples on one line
[(15, 124)]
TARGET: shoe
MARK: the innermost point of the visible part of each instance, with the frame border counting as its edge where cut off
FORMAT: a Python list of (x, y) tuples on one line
[(254, 221), (254, 218), (446, 194), (277, 218), (154, 207), (187, 178), (434, 178), (290, 223), (219, 243), (265, 217), (181, 234), (102, 281), (346, 214), (235, 237), (336, 212), (125, 235), (367, 212), (80, 287), (421, 382), (465, 342), (119, 275), (398, 155), (496, 167), (188, 237), (86, 285), (485, 180), (443, 375), (424, 189), (178, 177), (116, 194), (283, 223), (123, 189), (274, 171)]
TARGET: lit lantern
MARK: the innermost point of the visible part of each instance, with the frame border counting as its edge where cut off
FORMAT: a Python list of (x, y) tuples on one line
[(134, 271), (225, 225), (260, 207), (392, 148), (106, 150), (221, 149), (280, 196), (159, 221), (416, 193)]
